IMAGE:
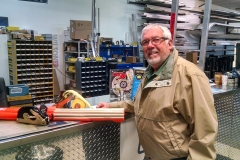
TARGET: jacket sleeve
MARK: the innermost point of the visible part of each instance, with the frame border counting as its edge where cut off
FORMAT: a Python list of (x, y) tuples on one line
[(127, 105), (197, 108)]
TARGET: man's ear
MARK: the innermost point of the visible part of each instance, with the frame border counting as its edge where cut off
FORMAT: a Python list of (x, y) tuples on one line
[(170, 44)]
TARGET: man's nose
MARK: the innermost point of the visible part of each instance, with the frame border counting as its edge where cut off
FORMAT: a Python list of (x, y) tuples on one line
[(150, 44)]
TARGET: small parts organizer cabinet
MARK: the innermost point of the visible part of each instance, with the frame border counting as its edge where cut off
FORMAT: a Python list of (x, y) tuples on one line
[(72, 50), (91, 78), (30, 63)]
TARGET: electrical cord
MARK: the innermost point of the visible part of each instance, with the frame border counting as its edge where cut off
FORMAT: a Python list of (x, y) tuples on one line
[(62, 73)]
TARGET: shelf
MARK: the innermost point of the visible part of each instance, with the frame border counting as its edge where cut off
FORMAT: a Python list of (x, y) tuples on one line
[(225, 13), (158, 9), (70, 72), (197, 35), (165, 3), (117, 46), (70, 62), (70, 52), (222, 43), (74, 49), (75, 42), (223, 18), (154, 16), (30, 63), (217, 24)]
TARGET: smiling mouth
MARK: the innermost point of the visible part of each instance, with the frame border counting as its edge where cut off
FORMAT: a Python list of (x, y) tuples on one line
[(152, 53)]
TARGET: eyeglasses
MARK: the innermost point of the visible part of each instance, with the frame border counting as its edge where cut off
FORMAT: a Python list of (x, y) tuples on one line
[(154, 41)]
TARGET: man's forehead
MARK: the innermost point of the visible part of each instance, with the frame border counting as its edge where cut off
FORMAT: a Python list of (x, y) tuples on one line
[(153, 32)]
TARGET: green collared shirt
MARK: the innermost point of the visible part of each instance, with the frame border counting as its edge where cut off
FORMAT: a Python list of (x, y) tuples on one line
[(150, 75)]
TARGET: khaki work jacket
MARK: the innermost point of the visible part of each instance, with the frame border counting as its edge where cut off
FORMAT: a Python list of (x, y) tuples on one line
[(174, 114)]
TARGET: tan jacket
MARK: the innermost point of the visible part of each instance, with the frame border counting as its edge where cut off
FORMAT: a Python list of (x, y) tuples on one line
[(175, 114)]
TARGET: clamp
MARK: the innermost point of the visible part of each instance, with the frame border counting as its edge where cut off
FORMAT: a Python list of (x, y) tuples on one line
[(33, 115)]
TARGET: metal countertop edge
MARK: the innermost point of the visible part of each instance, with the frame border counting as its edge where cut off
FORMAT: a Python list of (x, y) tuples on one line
[(54, 132)]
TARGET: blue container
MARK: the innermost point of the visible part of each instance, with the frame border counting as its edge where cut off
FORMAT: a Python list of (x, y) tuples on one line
[(17, 90), (129, 65)]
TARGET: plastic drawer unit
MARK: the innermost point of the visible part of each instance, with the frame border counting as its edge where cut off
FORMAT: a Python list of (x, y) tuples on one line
[(91, 78)]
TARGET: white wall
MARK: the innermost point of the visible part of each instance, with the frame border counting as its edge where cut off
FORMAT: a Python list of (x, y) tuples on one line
[(4, 59), (54, 17)]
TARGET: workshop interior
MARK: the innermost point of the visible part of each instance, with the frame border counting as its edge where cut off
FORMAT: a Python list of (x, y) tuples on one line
[(59, 59)]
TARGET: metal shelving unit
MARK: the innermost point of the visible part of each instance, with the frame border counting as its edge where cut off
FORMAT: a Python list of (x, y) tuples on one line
[(216, 30), (30, 63), (72, 50)]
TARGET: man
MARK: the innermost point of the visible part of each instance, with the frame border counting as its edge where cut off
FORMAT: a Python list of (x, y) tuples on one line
[(174, 107)]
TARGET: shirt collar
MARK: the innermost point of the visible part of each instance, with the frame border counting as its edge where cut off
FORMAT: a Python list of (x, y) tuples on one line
[(149, 70)]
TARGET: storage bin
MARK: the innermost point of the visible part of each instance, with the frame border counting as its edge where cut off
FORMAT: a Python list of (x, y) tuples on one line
[(17, 90)]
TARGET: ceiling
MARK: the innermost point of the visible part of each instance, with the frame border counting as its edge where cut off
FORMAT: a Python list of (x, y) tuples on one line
[(230, 4)]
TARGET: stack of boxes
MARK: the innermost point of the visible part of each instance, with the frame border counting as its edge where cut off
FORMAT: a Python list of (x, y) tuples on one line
[(19, 34), (23, 34)]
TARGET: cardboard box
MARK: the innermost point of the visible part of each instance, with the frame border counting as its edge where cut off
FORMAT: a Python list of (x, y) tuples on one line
[(80, 25), (20, 36), (80, 34), (192, 57), (131, 59), (80, 29)]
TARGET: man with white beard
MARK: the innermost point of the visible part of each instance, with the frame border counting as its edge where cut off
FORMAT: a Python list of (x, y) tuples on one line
[(174, 107)]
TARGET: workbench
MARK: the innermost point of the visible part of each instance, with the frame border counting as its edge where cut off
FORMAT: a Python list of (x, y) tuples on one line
[(102, 140)]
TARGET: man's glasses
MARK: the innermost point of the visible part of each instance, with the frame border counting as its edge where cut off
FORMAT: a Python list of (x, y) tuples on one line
[(154, 41)]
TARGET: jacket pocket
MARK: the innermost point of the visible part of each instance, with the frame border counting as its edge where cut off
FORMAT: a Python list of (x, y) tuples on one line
[(174, 142)]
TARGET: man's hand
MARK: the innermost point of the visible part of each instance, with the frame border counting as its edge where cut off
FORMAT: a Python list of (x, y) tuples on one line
[(103, 105)]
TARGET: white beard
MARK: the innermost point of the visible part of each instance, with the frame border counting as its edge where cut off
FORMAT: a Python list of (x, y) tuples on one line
[(153, 61)]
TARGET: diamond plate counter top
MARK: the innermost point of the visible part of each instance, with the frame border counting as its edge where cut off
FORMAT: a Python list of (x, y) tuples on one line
[(13, 133), (227, 104), (67, 140), (217, 89)]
